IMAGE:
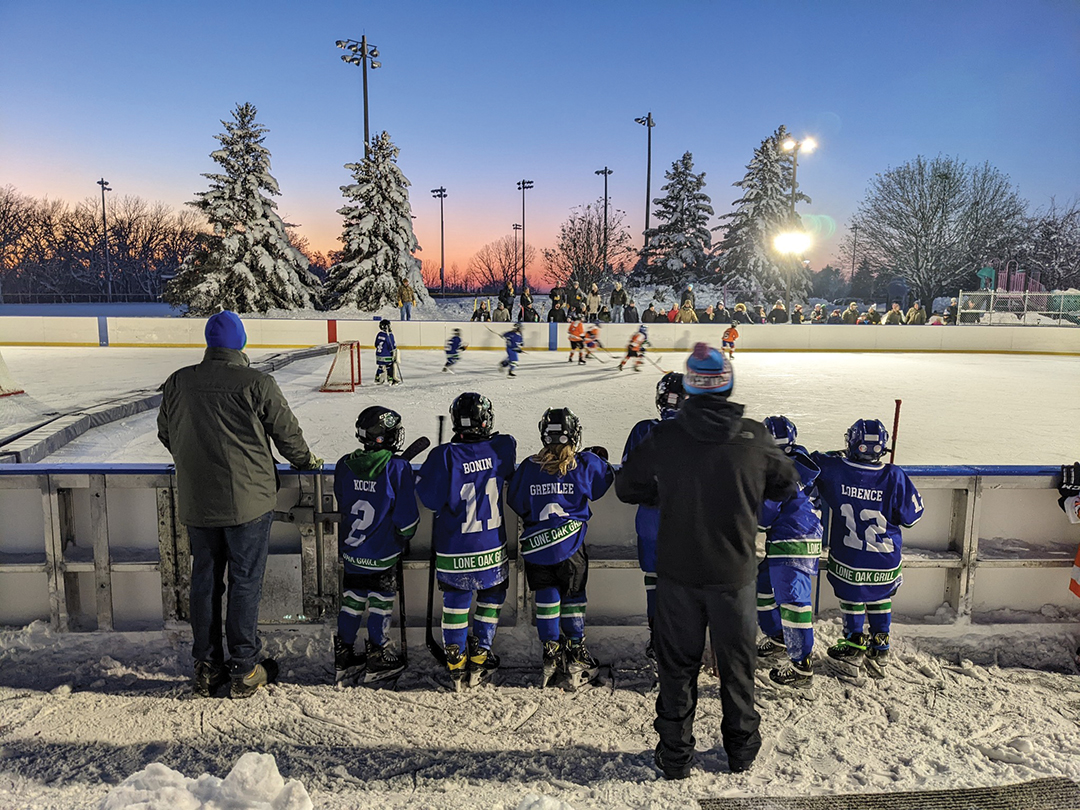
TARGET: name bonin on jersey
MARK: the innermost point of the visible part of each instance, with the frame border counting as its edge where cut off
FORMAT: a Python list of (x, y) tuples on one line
[(478, 465), (861, 494), (557, 488)]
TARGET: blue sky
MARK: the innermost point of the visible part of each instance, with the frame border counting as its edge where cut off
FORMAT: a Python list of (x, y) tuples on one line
[(480, 95)]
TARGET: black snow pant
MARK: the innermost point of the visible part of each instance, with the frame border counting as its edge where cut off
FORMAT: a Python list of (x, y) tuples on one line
[(683, 612)]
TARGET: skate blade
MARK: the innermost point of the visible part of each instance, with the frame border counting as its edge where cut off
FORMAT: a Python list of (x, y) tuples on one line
[(843, 668), (479, 678), (348, 676), (550, 680), (876, 671), (576, 680), (371, 678)]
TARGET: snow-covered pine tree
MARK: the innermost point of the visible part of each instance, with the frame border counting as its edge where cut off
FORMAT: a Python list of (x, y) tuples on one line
[(678, 248), (378, 240), (746, 257), (246, 263)]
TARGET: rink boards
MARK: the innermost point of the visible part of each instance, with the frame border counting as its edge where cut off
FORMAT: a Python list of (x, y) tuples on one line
[(272, 333), (98, 547)]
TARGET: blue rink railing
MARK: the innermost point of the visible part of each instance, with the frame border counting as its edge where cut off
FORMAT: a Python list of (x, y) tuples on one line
[(99, 547)]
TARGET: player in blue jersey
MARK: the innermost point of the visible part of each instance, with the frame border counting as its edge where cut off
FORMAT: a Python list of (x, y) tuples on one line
[(551, 492), (870, 503), (792, 548), (454, 348), (670, 395), (386, 355), (514, 342), (462, 482), (377, 498)]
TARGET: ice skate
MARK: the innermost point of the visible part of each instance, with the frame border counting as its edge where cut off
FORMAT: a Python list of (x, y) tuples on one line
[(346, 660), (848, 655), (455, 664), (482, 663), (771, 648), (877, 656), (797, 674), (383, 664), (511, 373), (579, 666), (581, 361), (552, 664)]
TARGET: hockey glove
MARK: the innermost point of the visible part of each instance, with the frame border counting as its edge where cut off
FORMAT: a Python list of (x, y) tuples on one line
[(1070, 480), (597, 450), (313, 463)]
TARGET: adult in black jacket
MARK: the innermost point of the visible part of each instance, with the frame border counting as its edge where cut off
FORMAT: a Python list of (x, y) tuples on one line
[(630, 314), (708, 470), (649, 315), (557, 314), (778, 313)]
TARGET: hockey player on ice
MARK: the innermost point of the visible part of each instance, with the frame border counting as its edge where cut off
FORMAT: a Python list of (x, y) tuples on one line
[(669, 398), (454, 349), (462, 482), (376, 494), (635, 349), (792, 548), (514, 342), (551, 492), (592, 339), (870, 503), (576, 333), (386, 356)]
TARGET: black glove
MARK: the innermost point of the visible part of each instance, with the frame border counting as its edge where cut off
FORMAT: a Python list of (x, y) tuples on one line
[(1070, 480), (597, 450)]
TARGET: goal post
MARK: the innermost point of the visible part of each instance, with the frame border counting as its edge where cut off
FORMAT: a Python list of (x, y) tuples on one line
[(344, 374), (8, 386)]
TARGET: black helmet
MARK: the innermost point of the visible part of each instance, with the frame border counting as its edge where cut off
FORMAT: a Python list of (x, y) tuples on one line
[(472, 415), (379, 428), (670, 392), (560, 426), (384, 325), (517, 326)]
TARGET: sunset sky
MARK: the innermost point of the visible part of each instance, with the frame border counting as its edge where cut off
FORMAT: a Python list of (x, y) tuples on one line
[(479, 95)]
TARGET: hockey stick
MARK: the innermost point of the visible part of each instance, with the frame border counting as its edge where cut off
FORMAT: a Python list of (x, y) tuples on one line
[(408, 454), (895, 430), (434, 647), (660, 367)]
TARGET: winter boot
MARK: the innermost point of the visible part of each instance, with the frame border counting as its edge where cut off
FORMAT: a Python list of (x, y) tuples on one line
[(877, 657), (209, 677), (244, 686), (382, 662), (553, 655), (771, 648), (345, 658), (579, 666), (799, 674), (482, 663), (670, 771), (849, 654), (455, 663)]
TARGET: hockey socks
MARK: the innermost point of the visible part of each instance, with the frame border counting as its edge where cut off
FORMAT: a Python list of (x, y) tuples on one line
[(379, 607), (548, 613), (455, 618), (572, 615)]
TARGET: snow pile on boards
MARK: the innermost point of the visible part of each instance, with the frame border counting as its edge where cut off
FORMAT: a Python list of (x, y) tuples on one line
[(253, 784)]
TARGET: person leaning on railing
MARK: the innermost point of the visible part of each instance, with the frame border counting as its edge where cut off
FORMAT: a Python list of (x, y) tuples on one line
[(916, 316)]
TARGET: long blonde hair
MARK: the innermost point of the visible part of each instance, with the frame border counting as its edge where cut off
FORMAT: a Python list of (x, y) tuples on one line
[(557, 459)]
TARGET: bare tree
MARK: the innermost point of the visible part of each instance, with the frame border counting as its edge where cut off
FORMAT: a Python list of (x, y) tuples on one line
[(578, 254), (499, 262), (1051, 246), (15, 214)]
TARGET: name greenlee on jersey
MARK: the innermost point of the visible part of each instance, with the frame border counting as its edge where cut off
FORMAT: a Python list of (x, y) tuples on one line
[(551, 489), (861, 494), (478, 465), (549, 537), (478, 561)]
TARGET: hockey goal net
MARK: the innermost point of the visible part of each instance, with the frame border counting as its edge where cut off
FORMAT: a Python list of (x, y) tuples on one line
[(8, 386), (344, 374)]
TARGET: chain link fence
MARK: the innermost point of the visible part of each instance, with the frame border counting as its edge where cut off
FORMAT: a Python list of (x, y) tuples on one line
[(993, 307)]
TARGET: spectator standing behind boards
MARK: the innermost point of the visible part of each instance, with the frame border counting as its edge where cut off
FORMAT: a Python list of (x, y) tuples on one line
[(673, 313), (686, 313), (630, 314), (721, 314), (688, 295), (894, 316), (557, 313), (740, 314), (951, 313), (501, 314), (618, 301), (835, 318), (557, 295), (526, 302), (649, 315), (575, 299), (851, 314), (592, 303), (818, 315), (778, 313), (709, 316), (873, 316), (916, 315), (936, 320), (217, 419), (482, 313), (797, 314), (759, 314), (406, 298), (506, 296)]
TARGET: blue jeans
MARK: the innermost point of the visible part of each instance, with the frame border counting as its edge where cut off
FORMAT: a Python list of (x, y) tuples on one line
[(406, 312), (617, 314), (242, 550)]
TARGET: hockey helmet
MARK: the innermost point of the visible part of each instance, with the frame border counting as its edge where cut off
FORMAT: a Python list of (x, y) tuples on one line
[(783, 431), (560, 426), (472, 415), (670, 393), (516, 327), (457, 332), (379, 428), (866, 440), (644, 330), (384, 325)]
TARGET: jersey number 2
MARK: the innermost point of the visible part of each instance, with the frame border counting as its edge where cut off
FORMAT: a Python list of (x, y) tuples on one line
[(876, 528), (365, 515), (468, 493)]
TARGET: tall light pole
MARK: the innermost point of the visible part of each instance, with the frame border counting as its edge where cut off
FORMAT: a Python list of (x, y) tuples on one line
[(517, 227), (362, 53), (647, 122), (523, 185), (793, 243), (854, 247), (105, 230), (440, 194), (606, 172), (791, 145)]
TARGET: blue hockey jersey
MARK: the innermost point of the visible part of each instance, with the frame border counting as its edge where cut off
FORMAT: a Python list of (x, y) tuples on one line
[(376, 495), (462, 483), (647, 519), (514, 342), (555, 509), (453, 346), (793, 527), (870, 503), (385, 345)]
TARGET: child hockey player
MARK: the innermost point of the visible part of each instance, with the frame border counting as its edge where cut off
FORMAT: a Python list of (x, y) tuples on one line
[(454, 348), (870, 502), (592, 339), (386, 355), (551, 492), (727, 341), (669, 398), (576, 331), (514, 341), (376, 495), (461, 482), (636, 348), (785, 576)]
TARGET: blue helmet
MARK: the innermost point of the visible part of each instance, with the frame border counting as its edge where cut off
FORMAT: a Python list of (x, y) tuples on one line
[(783, 431), (866, 440), (644, 330)]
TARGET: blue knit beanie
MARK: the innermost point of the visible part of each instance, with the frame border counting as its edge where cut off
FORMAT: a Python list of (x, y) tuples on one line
[(225, 331), (707, 372)]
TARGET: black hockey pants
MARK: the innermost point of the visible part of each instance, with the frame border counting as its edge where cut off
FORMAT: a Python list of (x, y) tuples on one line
[(683, 612)]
